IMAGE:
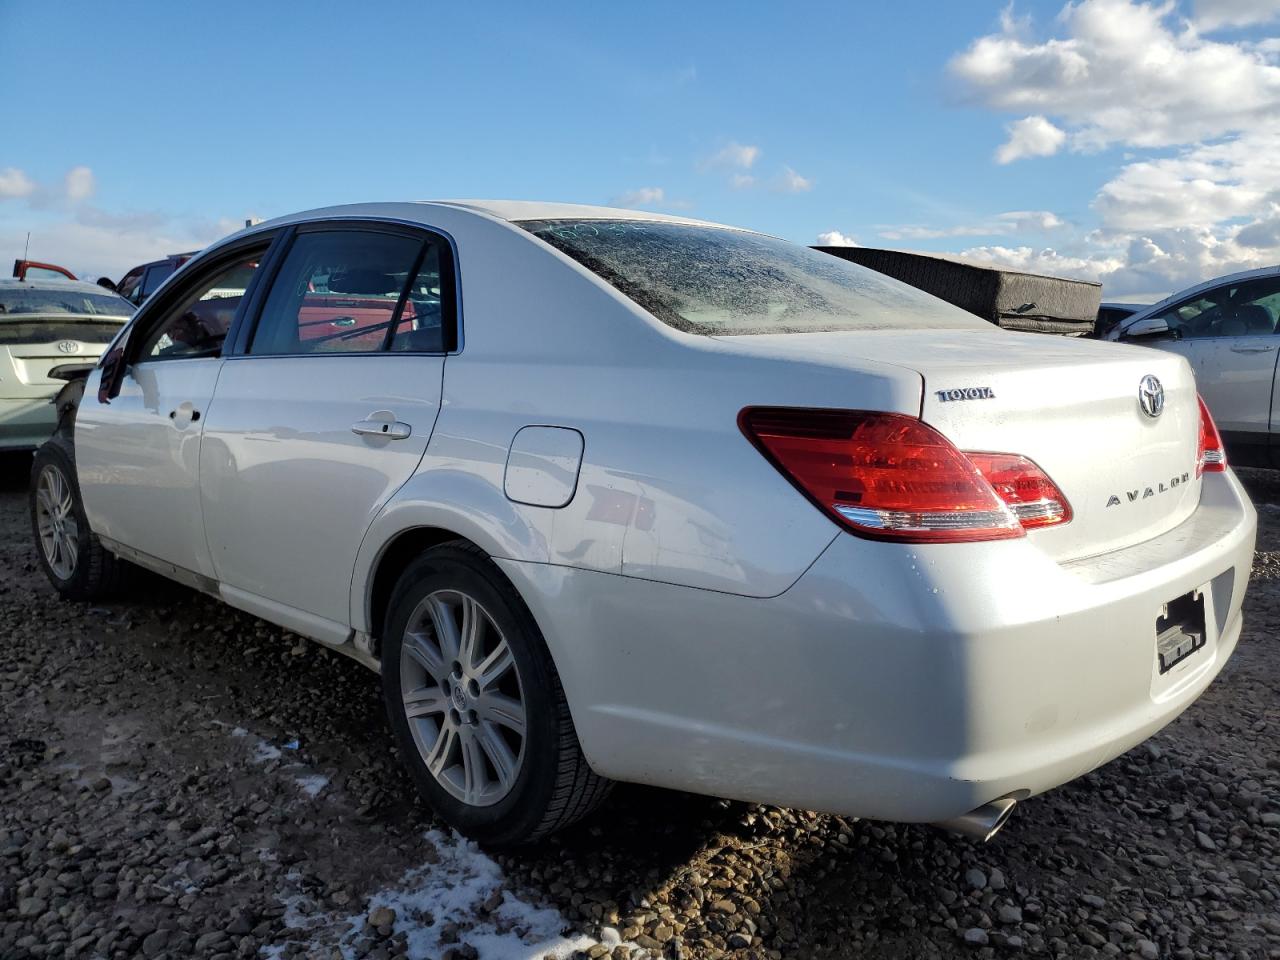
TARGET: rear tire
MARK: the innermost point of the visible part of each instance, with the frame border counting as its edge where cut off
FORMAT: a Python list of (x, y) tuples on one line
[(476, 705), (73, 558)]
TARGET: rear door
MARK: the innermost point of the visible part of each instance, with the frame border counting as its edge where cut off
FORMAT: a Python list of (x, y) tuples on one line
[(323, 413), (138, 452)]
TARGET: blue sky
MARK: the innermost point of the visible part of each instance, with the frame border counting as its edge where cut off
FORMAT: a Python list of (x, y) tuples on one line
[(144, 128)]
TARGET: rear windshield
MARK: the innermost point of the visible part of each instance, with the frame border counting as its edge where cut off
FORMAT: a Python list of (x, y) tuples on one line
[(717, 281), (27, 301)]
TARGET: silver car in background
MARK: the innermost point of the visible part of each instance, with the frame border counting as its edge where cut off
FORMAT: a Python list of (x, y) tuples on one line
[(607, 495)]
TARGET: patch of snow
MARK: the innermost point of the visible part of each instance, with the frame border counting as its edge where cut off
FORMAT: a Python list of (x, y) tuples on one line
[(453, 889), (264, 752), (239, 732), (312, 785)]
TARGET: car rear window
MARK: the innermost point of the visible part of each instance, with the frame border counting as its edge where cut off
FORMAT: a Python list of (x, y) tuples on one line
[(720, 281), (46, 302)]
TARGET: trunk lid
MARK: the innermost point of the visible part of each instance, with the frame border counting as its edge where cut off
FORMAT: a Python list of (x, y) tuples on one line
[(30, 363), (1072, 406)]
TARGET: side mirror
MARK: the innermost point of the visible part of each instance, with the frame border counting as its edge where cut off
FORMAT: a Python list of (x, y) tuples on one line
[(112, 373), (1149, 327)]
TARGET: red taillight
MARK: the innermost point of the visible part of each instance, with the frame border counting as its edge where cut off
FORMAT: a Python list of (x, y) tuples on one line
[(881, 475), (1210, 456), (1035, 499)]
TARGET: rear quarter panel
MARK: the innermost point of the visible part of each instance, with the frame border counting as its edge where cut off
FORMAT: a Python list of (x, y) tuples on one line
[(669, 488)]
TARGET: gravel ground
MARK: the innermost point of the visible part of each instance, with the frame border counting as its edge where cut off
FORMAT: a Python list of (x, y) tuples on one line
[(181, 780)]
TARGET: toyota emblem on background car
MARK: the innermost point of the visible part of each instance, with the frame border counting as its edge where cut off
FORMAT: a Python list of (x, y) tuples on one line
[(68, 346), (1151, 396)]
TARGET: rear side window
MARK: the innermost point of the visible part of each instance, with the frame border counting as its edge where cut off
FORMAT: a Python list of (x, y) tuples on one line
[(155, 276), (718, 281), (354, 291)]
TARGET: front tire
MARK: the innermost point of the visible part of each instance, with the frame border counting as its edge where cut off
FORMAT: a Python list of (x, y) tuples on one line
[(476, 705), (73, 558)]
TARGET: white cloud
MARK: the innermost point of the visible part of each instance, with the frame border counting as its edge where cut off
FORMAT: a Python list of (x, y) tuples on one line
[(733, 155), (1030, 137), (14, 184), (1125, 72), (1198, 192), (1032, 220), (1200, 184), (1002, 224), (791, 182), (1151, 264), (742, 181), (1045, 260), (91, 250), (1209, 15), (642, 197), (834, 238), (79, 184)]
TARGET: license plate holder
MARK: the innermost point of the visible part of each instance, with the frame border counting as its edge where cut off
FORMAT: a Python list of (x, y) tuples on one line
[(1180, 630)]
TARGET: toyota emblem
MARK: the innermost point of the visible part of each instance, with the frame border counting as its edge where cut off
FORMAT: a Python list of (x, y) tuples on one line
[(68, 346), (1151, 396)]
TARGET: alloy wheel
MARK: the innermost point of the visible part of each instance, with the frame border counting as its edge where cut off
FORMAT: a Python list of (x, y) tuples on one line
[(463, 697), (56, 522)]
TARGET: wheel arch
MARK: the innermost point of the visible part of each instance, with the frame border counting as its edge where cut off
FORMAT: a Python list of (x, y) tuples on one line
[(395, 555), (425, 513)]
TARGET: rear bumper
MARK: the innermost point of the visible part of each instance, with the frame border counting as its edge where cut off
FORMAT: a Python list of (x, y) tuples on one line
[(892, 682), (25, 424)]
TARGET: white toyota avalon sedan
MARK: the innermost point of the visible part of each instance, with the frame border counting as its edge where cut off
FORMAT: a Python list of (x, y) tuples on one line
[(606, 495)]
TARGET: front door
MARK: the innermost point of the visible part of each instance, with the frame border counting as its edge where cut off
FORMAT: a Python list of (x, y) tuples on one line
[(325, 414), (138, 452), (1229, 335)]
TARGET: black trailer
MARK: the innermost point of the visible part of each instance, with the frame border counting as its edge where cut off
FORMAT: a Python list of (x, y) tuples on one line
[(1012, 299)]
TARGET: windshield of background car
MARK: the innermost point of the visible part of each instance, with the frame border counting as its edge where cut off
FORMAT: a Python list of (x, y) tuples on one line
[(718, 281)]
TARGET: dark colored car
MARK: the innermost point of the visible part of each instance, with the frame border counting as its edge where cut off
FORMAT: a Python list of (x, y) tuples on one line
[(140, 282)]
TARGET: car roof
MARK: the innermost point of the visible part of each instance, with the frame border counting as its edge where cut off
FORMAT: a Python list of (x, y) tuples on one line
[(80, 286), (511, 211)]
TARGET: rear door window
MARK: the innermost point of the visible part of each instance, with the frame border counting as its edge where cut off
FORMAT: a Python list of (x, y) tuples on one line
[(156, 275), (355, 291)]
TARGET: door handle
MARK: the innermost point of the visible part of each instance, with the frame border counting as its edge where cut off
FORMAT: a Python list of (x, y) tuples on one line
[(195, 415), (391, 429), (1260, 348)]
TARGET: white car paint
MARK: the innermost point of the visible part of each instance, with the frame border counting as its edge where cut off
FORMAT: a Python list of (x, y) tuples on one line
[(1235, 371), (713, 630)]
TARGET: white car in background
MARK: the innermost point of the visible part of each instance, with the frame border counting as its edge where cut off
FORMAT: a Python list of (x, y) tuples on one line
[(45, 324), (1227, 330), (608, 495)]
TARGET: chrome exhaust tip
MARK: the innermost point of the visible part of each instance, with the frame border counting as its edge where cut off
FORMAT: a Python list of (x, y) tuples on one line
[(982, 823)]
